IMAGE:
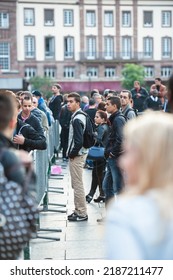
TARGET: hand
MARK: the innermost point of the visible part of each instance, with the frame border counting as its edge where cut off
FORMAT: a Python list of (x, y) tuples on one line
[(25, 158), (19, 139)]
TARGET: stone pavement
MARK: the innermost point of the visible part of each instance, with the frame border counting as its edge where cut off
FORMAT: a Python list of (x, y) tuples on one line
[(78, 240)]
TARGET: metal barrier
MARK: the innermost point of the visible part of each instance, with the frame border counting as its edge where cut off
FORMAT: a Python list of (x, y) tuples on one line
[(42, 160)]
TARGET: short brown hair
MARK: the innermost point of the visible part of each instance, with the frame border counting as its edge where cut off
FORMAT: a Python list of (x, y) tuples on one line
[(75, 95)]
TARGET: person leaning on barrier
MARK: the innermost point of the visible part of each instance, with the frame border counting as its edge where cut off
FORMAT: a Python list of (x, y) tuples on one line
[(26, 137), (28, 117)]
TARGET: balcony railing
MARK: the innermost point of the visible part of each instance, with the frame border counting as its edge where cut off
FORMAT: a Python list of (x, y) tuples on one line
[(112, 56)]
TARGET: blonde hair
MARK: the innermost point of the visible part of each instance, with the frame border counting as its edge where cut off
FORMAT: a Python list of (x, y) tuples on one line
[(151, 135)]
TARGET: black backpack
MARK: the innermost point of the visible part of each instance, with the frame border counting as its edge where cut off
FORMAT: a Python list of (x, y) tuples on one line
[(89, 132), (131, 109)]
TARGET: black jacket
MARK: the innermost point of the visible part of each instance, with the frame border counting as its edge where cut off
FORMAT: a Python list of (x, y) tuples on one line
[(114, 144), (33, 140), (138, 102), (13, 168), (34, 122), (55, 106), (102, 135)]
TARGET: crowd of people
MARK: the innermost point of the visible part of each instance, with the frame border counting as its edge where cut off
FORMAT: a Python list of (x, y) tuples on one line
[(133, 145)]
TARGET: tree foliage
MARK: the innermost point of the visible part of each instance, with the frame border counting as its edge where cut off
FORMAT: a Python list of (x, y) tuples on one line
[(43, 84), (132, 72)]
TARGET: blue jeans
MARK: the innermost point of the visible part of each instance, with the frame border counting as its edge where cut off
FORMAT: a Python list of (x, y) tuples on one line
[(112, 182)]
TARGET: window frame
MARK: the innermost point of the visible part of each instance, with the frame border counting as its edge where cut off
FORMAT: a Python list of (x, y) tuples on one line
[(91, 47), (72, 17), (49, 22), (109, 70), (33, 19), (166, 53), (167, 69), (31, 69), (170, 19), (51, 45), (69, 47), (108, 18), (108, 47), (148, 24), (69, 72), (33, 52), (4, 24), (149, 69), (51, 70), (126, 50), (145, 52), (5, 57), (92, 72), (91, 22), (128, 19)]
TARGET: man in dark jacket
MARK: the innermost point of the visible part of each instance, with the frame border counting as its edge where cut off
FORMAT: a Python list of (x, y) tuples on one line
[(27, 138), (112, 183), (139, 94)]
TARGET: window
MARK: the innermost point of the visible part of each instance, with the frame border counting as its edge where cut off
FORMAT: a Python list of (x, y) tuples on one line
[(148, 47), (4, 20), (166, 47), (69, 72), (68, 47), (49, 17), (90, 18), (49, 47), (149, 71), (29, 46), (49, 72), (68, 17), (29, 17), (166, 18), (92, 72), (108, 19), (126, 18), (126, 47), (166, 71), (4, 56), (30, 72), (91, 47), (148, 19), (110, 72), (108, 47)]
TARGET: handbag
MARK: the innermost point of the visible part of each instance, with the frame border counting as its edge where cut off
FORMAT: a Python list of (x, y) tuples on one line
[(96, 153), (18, 214)]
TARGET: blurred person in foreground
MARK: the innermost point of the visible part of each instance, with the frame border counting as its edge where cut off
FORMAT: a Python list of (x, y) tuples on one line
[(18, 168), (139, 223)]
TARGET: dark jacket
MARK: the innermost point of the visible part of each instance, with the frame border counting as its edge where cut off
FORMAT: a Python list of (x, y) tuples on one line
[(102, 135), (65, 117), (155, 105), (34, 122), (91, 112), (114, 145), (138, 101), (55, 106), (13, 168), (33, 140)]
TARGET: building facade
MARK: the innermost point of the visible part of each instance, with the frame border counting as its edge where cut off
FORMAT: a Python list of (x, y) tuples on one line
[(85, 44)]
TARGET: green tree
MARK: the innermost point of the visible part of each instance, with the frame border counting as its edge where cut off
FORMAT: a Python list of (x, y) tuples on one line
[(132, 72), (43, 84)]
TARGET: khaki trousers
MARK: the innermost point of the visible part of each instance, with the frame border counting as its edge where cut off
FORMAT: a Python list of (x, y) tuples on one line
[(76, 171)]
